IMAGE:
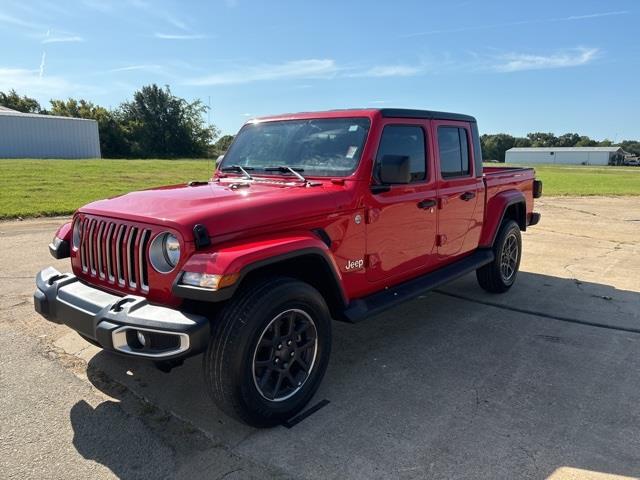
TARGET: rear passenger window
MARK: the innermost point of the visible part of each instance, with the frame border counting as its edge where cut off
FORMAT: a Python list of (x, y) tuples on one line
[(454, 151), (404, 140)]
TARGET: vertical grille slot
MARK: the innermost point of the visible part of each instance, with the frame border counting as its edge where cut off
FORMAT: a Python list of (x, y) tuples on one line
[(100, 247), (131, 256), (142, 260), (115, 253), (120, 254), (92, 247), (83, 246), (109, 252)]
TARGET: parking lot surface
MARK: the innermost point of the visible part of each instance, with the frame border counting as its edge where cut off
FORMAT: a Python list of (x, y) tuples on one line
[(541, 382)]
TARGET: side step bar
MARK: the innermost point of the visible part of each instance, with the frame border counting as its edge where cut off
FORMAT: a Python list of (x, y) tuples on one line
[(378, 302)]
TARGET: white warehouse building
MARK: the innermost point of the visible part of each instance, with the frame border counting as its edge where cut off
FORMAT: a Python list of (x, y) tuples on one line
[(566, 155), (29, 135)]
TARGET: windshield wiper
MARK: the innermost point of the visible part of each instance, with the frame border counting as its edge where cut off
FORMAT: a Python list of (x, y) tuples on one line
[(287, 169), (238, 169)]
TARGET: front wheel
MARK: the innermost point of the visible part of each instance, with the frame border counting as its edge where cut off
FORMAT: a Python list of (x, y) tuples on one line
[(499, 275), (269, 351)]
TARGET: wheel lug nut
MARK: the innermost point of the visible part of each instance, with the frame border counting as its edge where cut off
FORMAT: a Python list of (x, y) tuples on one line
[(286, 365), (291, 354), (279, 346), (277, 360), (288, 342)]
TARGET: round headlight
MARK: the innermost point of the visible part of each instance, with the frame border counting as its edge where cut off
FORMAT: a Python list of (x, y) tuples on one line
[(164, 252), (171, 249), (77, 233)]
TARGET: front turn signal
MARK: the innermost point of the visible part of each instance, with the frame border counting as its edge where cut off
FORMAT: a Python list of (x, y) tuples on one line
[(208, 280)]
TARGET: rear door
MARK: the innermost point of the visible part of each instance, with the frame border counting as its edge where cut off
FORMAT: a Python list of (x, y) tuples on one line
[(401, 219), (459, 189)]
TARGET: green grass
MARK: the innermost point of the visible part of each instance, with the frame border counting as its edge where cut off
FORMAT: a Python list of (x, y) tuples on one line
[(579, 180), (31, 188)]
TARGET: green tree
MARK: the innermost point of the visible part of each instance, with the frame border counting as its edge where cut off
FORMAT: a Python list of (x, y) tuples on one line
[(159, 124), (631, 146), (585, 142), (567, 140), (113, 142), (224, 142), (542, 139), (22, 104), (495, 146)]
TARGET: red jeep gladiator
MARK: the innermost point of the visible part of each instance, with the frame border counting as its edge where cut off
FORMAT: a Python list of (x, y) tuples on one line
[(309, 217)]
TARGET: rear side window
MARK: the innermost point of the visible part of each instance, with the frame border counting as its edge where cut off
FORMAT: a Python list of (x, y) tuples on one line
[(454, 151), (404, 140)]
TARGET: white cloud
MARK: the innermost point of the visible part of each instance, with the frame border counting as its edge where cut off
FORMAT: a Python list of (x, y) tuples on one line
[(517, 23), (515, 62), (63, 39), (597, 15), (34, 82), (142, 67), (311, 68), (42, 65), (302, 69), (171, 36), (390, 71), (18, 22)]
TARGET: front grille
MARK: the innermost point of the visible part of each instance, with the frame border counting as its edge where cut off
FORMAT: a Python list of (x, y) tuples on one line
[(115, 252)]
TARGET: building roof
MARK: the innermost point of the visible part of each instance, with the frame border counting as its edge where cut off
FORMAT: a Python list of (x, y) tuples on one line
[(564, 149), (7, 112)]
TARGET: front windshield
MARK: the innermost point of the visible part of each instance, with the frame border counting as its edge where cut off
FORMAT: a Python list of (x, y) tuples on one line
[(320, 147)]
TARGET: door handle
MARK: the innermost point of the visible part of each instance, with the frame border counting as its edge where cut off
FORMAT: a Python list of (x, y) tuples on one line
[(426, 204), (466, 196)]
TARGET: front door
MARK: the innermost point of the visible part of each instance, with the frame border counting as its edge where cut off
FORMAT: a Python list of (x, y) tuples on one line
[(402, 219), (459, 190)]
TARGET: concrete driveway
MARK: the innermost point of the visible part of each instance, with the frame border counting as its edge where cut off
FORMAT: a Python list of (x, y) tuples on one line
[(541, 382)]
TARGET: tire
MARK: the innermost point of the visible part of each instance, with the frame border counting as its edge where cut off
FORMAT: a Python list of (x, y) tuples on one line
[(243, 365), (497, 277)]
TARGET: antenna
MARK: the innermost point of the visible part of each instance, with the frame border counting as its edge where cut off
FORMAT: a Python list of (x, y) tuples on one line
[(209, 110)]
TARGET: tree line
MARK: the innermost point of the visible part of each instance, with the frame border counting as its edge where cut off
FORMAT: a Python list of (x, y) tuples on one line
[(153, 124), (157, 124), (494, 146)]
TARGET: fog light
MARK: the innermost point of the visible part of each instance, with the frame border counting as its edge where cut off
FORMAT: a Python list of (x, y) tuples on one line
[(141, 338)]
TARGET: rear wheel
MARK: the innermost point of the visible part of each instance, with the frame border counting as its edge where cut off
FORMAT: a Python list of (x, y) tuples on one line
[(499, 275), (269, 351)]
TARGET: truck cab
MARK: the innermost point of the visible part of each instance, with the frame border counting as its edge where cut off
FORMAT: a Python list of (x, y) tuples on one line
[(308, 218)]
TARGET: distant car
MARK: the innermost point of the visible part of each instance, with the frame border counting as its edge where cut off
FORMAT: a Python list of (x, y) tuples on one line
[(632, 162)]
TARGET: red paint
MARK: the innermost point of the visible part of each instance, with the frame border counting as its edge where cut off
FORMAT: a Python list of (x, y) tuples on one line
[(396, 239)]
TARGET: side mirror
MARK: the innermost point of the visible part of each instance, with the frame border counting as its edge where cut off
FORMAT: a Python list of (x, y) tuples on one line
[(219, 160), (395, 169)]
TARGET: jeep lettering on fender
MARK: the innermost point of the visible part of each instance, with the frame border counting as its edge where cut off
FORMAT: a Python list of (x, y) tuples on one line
[(249, 269), (354, 264)]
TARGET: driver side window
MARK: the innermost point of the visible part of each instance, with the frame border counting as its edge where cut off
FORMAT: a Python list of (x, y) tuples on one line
[(403, 140)]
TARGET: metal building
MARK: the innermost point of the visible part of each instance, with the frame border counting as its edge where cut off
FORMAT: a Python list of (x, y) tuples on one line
[(29, 135), (567, 155)]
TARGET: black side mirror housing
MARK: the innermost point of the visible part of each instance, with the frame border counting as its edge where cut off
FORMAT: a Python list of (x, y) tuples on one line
[(395, 169)]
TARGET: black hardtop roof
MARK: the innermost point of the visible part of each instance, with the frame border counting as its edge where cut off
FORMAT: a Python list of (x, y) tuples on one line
[(429, 114)]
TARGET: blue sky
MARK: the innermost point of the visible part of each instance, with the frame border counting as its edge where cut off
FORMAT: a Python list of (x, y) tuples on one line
[(555, 66)]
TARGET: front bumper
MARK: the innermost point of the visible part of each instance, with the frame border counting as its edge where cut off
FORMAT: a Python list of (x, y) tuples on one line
[(118, 323)]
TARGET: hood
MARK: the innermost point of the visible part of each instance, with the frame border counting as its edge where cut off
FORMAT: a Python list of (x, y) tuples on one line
[(221, 207)]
